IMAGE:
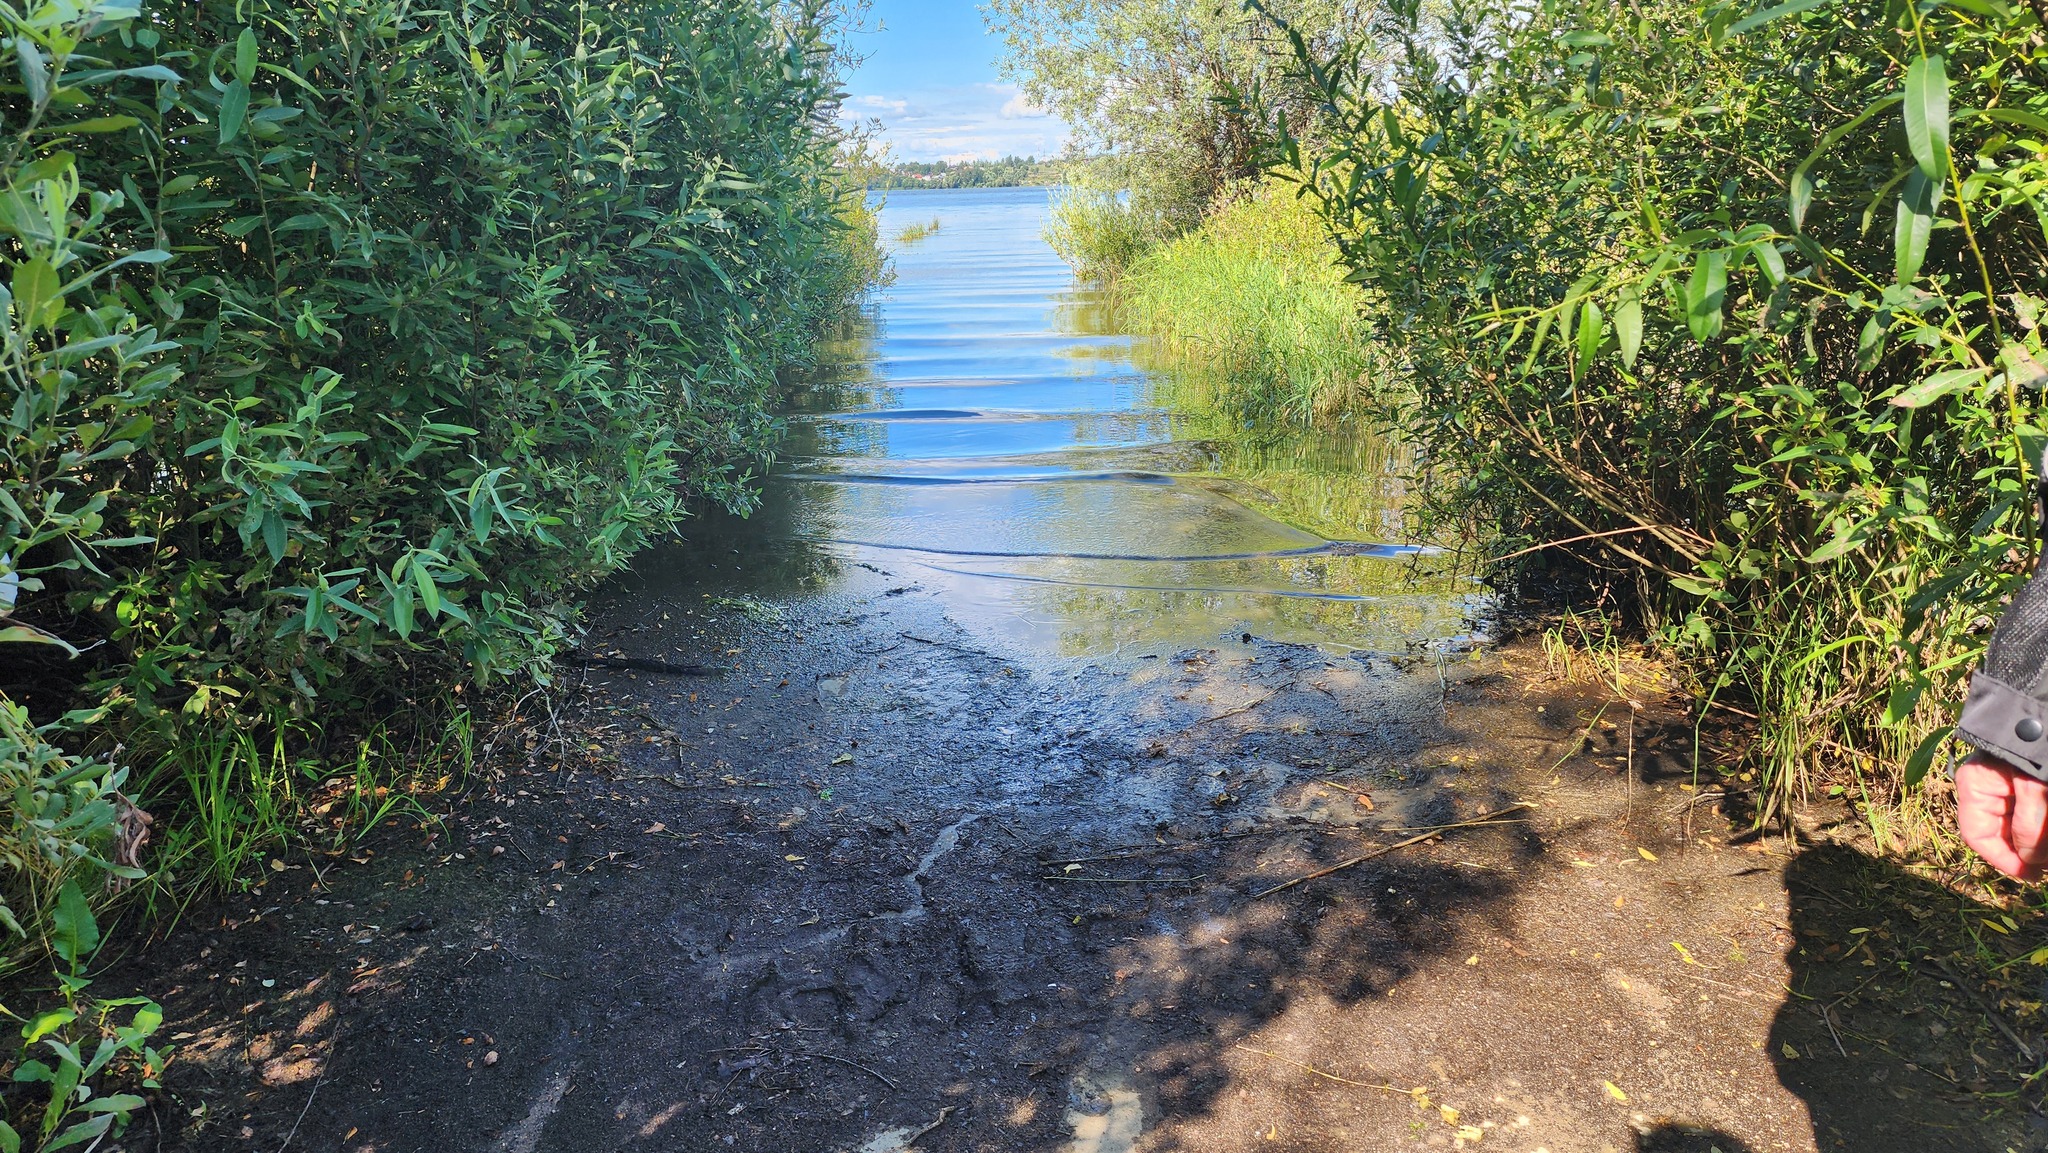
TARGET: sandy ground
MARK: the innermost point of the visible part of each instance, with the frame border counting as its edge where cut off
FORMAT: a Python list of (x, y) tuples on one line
[(880, 887)]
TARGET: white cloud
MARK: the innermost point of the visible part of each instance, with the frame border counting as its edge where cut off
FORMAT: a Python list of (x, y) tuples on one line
[(1020, 107), (965, 122)]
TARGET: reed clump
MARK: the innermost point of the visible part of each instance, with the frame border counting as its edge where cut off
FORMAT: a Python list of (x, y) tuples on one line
[(1252, 308)]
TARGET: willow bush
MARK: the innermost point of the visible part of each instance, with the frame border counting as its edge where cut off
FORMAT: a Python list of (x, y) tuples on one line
[(346, 343), (1741, 307)]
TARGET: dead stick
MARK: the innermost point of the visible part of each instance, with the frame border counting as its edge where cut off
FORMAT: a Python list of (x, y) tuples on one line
[(1227, 713), (1130, 880), (1130, 851), (640, 665), (936, 1122), (1414, 840), (1331, 1076), (856, 1065), (1990, 1012)]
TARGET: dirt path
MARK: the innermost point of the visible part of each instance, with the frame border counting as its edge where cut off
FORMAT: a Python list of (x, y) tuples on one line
[(879, 888)]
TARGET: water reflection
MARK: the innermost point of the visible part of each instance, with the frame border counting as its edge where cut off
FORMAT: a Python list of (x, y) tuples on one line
[(989, 427)]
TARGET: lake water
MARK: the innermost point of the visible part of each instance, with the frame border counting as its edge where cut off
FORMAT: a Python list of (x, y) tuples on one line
[(988, 435)]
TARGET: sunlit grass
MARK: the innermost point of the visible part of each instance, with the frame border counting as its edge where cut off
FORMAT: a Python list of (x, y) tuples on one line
[(1251, 308)]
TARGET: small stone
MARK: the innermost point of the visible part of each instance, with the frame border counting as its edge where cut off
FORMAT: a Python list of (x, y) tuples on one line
[(491, 1058)]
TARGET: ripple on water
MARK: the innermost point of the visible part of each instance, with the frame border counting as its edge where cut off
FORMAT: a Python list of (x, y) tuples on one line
[(988, 427)]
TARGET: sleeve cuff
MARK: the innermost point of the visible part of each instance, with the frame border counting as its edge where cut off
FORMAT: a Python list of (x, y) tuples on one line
[(2007, 723)]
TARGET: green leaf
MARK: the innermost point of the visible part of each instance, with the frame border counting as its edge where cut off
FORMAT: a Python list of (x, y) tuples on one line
[(1770, 261), (35, 71), (430, 593), (1705, 291), (1697, 588), (99, 124), (10, 1141), (2016, 116), (1927, 115), (80, 1133), (33, 1073), (1777, 12), (1923, 755), (1926, 392), (1628, 327), (1592, 327), (1848, 538), (1917, 203), (274, 536), (73, 932), (1870, 343), (234, 106), (38, 1027), (37, 299), (18, 633), (245, 56)]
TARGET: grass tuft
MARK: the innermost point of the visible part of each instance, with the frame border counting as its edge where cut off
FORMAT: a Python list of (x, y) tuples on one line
[(1251, 308)]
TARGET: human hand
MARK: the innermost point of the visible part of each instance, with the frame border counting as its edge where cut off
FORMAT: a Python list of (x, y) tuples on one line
[(2003, 814)]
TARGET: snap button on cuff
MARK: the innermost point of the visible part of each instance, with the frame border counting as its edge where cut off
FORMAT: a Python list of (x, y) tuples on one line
[(2028, 729)]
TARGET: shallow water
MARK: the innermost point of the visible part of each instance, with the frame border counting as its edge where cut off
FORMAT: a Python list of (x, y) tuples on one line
[(986, 434)]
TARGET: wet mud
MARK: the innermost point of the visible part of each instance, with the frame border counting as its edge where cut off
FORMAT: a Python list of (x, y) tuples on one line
[(878, 878)]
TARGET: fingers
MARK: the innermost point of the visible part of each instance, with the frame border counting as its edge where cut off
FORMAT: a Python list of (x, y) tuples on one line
[(1984, 811), (2029, 825)]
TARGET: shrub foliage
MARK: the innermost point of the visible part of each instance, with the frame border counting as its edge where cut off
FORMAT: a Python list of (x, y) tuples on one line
[(1742, 306), (345, 343)]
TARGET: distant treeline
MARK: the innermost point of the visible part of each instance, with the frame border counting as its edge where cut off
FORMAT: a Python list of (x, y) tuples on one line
[(1009, 172)]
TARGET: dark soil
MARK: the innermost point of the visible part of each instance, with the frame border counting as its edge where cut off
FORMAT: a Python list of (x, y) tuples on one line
[(878, 887)]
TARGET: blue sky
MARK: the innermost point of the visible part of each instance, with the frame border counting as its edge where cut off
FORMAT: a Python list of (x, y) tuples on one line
[(930, 78)]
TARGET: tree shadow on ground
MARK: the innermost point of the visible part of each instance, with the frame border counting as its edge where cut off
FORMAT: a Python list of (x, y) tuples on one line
[(1895, 1028)]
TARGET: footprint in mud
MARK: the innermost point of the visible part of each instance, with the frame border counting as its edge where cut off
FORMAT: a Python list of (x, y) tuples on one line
[(1105, 1115)]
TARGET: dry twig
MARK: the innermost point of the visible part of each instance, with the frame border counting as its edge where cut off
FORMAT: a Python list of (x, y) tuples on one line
[(1381, 852)]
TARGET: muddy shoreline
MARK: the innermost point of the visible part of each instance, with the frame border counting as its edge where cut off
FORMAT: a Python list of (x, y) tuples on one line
[(882, 885)]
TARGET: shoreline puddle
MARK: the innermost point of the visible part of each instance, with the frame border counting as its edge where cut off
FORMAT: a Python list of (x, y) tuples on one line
[(1105, 1115)]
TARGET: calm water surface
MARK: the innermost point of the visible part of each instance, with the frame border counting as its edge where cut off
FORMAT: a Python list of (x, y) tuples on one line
[(987, 435)]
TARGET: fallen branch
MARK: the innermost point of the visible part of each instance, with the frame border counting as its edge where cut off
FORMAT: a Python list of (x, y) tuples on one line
[(1128, 851), (1129, 880), (1328, 1076), (639, 665), (1381, 852), (1227, 713), (936, 1122), (878, 1077), (672, 783), (1984, 1006)]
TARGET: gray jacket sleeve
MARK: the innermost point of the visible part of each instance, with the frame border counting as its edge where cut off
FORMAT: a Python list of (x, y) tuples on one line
[(2006, 711)]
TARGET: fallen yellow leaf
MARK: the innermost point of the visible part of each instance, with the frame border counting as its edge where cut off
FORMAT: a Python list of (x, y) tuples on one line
[(656, 827), (1684, 954), (1646, 854), (1614, 1090), (1449, 1114), (1790, 1053), (1470, 1133), (1472, 960), (792, 857)]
